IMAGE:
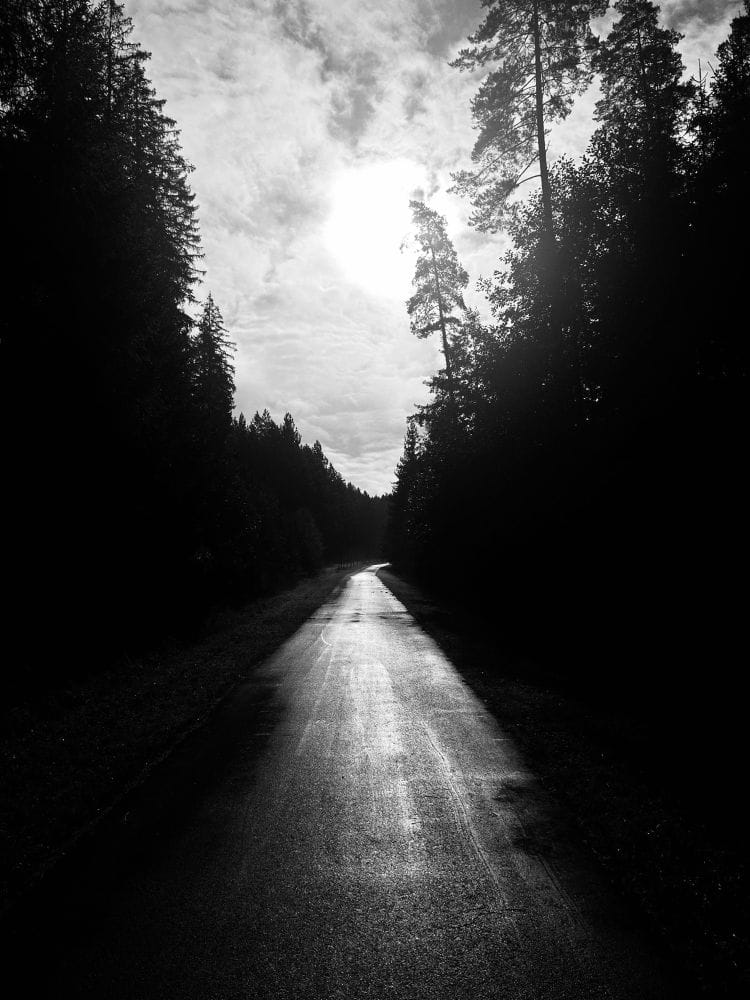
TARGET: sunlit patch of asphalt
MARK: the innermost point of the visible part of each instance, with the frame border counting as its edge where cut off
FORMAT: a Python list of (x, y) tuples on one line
[(400, 783)]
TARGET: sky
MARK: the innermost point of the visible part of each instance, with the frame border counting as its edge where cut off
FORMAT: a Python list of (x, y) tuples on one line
[(310, 124)]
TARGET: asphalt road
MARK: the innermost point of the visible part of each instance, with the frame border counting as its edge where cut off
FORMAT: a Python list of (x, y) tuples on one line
[(352, 824)]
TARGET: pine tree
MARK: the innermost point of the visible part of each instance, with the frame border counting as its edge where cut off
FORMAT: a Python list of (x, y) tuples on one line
[(638, 164), (439, 280), (729, 113), (539, 53), (720, 210), (643, 97), (731, 85)]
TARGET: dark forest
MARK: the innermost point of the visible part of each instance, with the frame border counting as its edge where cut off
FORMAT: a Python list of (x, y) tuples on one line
[(580, 468), (136, 500), (501, 763)]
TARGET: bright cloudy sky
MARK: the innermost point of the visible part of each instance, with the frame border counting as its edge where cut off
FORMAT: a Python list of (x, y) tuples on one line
[(310, 124)]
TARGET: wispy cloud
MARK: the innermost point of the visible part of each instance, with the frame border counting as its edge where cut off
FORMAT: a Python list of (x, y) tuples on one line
[(284, 106)]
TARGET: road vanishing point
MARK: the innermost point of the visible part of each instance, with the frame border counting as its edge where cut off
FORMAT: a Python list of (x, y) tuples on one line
[(351, 823)]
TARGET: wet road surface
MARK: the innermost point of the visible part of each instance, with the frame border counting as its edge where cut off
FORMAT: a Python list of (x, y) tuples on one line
[(353, 825)]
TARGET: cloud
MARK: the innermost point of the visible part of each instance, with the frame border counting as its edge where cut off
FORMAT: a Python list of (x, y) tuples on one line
[(283, 105), (276, 102), (682, 14)]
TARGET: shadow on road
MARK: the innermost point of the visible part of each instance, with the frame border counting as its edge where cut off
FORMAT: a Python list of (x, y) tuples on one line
[(646, 824)]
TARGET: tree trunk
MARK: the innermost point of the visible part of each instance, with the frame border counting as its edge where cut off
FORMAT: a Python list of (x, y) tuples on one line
[(541, 138), (548, 256)]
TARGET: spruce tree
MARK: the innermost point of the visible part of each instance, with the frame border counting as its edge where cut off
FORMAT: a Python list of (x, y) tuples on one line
[(213, 367), (401, 540)]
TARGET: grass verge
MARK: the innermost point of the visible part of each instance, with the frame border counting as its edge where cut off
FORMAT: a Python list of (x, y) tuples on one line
[(69, 756)]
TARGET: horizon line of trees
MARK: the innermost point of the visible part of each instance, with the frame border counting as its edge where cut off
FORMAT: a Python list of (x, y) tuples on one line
[(134, 498), (580, 466)]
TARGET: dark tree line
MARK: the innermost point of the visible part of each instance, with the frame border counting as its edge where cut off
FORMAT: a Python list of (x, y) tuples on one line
[(133, 498), (588, 480)]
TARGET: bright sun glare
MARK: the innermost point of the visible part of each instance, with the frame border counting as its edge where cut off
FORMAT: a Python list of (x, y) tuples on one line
[(369, 221)]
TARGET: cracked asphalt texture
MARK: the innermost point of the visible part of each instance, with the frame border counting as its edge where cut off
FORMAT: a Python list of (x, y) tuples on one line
[(351, 824)]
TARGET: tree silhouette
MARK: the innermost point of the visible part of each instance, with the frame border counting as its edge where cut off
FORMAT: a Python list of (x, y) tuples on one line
[(720, 213), (439, 280), (539, 52), (400, 541), (133, 493), (643, 97), (601, 469), (213, 367)]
